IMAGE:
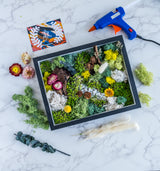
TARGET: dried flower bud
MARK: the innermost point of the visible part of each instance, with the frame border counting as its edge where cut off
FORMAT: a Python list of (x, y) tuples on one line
[(87, 95), (79, 93), (26, 59)]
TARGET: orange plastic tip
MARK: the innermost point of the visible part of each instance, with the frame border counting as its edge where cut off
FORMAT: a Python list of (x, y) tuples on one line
[(92, 28), (116, 28)]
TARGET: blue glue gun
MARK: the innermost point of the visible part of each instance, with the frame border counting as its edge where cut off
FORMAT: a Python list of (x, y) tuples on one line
[(114, 19)]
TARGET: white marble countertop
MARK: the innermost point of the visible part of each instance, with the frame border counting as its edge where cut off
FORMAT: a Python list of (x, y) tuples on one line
[(124, 151)]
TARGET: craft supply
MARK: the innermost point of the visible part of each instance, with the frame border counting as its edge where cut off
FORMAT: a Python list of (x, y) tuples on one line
[(28, 72), (15, 69), (83, 96), (29, 105), (26, 59), (111, 127), (30, 140), (46, 35), (144, 76), (114, 19), (144, 98)]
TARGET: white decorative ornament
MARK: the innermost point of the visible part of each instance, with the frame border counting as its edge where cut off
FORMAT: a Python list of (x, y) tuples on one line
[(103, 67)]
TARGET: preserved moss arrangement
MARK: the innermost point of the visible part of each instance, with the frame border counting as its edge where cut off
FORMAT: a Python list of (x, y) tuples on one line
[(86, 83)]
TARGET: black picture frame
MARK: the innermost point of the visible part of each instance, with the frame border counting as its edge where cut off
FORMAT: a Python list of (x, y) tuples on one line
[(39, 59)]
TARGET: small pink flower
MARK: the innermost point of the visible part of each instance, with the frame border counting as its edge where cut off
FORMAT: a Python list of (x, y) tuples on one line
[(28, 72)]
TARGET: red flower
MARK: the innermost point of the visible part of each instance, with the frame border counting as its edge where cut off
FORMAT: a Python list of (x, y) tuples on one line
[(15, 69)]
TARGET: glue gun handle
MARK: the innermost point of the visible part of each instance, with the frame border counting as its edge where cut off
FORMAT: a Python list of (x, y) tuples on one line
[(126, 28)]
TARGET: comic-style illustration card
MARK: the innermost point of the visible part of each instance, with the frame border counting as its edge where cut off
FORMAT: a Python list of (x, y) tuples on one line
[(46, 35)]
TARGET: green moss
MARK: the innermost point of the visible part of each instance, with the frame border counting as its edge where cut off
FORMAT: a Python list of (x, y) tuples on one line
[(104, 83), (94, 109), (144, 76), (121, 100), (29, 105), (73, 86), (96, 68), (107, 72), (81, 60), (45, 66), (57, 62), (80, 109), (98, 102), (109, 46), (123, 89), (144, 98), (93, 82), (116, 64), (61, 117), (70, 58)]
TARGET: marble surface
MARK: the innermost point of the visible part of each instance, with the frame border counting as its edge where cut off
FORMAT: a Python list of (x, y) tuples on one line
[(124, 151)]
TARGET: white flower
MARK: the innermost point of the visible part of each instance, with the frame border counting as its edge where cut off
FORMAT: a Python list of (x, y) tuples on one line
[(103, 67), (119, 76), (56, 101)]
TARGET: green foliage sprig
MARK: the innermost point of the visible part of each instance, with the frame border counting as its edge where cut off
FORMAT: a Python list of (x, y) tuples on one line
[(123, 89), (29, 105), (30, 140)]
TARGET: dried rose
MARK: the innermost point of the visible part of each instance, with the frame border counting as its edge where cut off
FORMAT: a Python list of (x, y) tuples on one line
[(15, 69), (28, 72), (26, 59), (87, 95)]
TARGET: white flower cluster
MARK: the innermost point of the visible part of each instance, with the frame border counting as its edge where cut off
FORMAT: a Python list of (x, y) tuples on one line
[(93, 91), (56, 101), (119, 76), (112, 105)]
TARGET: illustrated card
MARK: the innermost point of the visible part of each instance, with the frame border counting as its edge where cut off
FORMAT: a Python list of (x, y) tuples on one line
[(46, 35)]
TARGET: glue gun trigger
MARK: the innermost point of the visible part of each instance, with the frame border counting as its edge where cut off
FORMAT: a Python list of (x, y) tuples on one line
[(116, 28)]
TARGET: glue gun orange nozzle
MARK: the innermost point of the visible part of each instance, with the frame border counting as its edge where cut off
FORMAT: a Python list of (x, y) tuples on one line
[(92, 28)]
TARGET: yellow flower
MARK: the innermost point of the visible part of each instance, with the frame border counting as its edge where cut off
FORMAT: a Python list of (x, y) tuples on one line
[(110, 80), (109, 92), (67, 109), (86, 74), (47, 87), (109, 54), (46, 74)]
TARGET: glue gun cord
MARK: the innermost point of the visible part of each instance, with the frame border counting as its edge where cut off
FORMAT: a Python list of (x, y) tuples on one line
[(140, 37)]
